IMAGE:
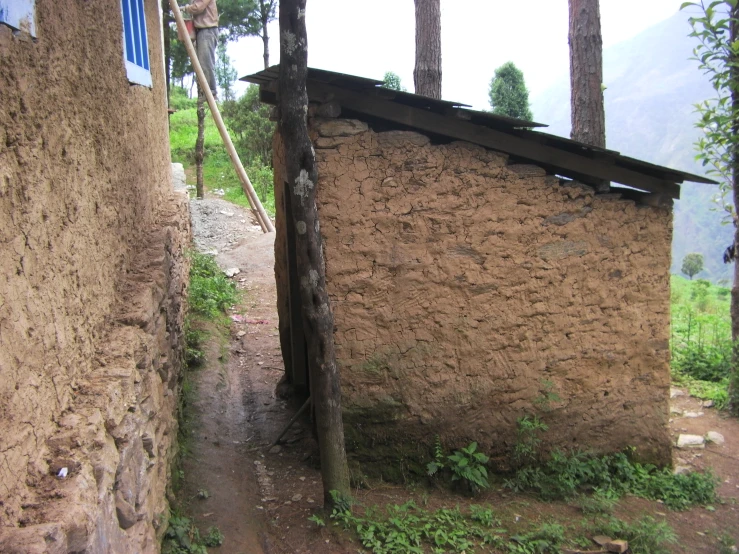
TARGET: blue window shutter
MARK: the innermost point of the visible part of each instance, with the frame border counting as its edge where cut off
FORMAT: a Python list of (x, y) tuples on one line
[(135, 43)]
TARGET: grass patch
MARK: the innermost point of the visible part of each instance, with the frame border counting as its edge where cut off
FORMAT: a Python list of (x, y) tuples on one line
[(408, 528), (612, 476)]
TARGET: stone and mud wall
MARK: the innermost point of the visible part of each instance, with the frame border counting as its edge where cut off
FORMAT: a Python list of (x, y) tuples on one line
[(92, 275), (469, 291)]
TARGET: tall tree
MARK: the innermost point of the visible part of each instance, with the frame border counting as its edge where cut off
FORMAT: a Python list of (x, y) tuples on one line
[(225, 73), (508, 93), (586, 73), (301, 177), (427, 73), (717, 30), (266, 14)]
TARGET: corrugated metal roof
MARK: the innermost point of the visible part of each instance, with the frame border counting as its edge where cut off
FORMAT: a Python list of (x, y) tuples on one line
[(557, 154)]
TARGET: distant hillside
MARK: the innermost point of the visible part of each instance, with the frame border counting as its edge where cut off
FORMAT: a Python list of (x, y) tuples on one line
[(652, 86)]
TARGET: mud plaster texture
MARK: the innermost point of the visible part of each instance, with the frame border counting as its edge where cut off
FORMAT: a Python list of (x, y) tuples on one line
[(91, 275), (469, 291)]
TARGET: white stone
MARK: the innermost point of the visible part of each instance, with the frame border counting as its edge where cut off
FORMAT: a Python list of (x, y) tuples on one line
[(693, 414), (679, 470), (674, 393), (690, 441), (715, 437), (232, 271)]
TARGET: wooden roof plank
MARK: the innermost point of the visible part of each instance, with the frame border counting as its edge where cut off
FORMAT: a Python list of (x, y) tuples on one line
[(564, 162)]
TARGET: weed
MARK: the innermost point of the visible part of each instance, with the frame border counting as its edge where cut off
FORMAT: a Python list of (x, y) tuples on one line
[(612, 476), (214, 537), (466, 465), (210, 290), (601, 502), (547, 396), (318, 520), (726, 544), (546, 538), (182, 537), (528, 443), (645, 535), (406, 528)]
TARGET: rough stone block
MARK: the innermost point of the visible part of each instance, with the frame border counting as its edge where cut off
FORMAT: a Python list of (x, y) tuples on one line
[(690, 441)]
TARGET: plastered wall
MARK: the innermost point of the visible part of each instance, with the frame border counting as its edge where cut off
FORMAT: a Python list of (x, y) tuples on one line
[(469, 291), (85, 199)]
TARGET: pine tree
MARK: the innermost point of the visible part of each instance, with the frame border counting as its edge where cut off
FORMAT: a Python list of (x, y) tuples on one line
[(508, 94)]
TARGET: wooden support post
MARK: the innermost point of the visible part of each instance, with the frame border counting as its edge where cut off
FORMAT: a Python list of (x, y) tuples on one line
[(262, 216)]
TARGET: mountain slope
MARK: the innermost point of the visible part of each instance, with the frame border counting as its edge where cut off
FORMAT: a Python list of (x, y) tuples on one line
[(652, 86)]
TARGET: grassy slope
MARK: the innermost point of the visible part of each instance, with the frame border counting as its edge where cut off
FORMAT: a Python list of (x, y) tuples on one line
[(218, 172)]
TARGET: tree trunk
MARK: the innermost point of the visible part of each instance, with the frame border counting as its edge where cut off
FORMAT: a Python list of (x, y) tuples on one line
[(734, 310), (199, 145), (265, 8), (586, 73), (318, 322), (427, 73)]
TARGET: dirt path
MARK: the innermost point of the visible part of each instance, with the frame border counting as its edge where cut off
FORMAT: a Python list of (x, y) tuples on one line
[(260, 498)]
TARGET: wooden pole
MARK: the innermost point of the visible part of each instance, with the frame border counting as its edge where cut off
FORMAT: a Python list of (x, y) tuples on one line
[(262, 216), (289, 423)]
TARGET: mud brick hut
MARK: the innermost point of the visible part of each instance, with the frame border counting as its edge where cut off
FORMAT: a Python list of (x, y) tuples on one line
[(476, 276), (92, 277)]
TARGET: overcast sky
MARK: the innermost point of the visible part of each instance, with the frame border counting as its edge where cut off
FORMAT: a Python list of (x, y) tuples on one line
[(477, 36)]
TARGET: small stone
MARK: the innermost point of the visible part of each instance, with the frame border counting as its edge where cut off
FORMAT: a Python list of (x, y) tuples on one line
[(674, 393), (676, 411), (715, 437), (297, 498), (679, 470), (690, 441), (693, 414), (277, 448), (601, 540), (302, 478), (310, 501), (619, 546), (709, 404), (287, 502), (232, 271), (241, 334)]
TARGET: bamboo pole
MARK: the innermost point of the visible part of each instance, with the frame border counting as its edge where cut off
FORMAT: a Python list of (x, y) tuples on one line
[(262, 216)]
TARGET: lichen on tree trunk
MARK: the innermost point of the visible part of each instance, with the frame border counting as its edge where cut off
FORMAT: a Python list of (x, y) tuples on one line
[(301, 175), (427, 72)]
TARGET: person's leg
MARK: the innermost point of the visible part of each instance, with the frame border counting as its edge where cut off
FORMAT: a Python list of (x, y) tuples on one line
[(207, 40)]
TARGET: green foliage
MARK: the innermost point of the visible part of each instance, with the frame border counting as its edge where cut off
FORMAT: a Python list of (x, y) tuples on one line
[(645, 535), (179, 100), (318, 520), (600, 502), (613, 475), (213, 537), (546, 538), (250, 126), (406, 528), (547, 396), (225, 73), (238, 18), (508, 93), (528, 443), (182, 537), (718, 56), (392, 81), (692, 264), (466, 465), (211, 292)]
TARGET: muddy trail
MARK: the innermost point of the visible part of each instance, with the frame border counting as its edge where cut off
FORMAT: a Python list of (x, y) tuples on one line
[(261, 496)]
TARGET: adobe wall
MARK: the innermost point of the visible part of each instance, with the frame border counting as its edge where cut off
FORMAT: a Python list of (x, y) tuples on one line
[(91, 271), (468, 292)]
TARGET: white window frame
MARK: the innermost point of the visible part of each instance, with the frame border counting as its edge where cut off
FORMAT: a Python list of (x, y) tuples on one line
[(19, 14), (135, 43)]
